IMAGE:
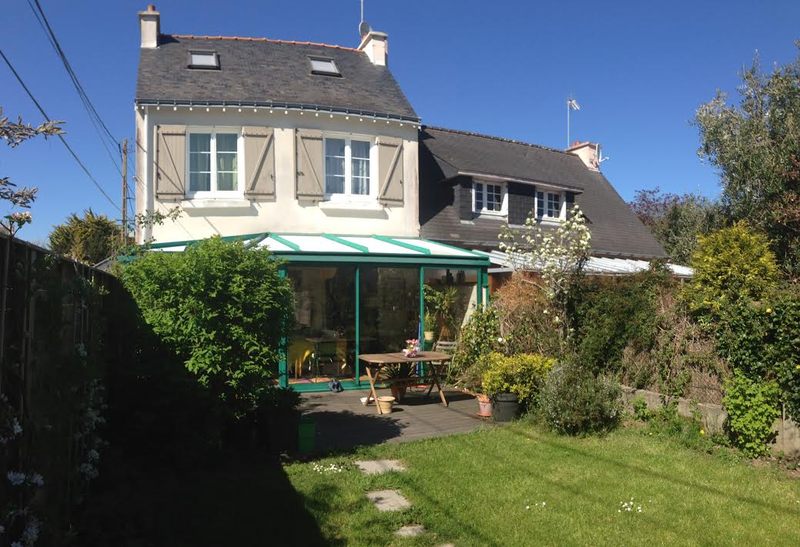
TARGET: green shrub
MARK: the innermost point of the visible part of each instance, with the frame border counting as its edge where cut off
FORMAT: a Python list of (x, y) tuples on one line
[(611, 315), (640, 409), (730, 265), (478, 338), (574, 401), (222, 309), (752, 410), (522, 374), (762, 340)]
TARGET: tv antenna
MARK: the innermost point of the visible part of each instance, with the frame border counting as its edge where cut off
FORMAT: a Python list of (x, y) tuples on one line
[(363, 26)]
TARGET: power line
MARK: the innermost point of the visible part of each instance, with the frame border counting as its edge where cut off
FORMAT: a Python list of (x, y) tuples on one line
[(60, 136), (97, 121)]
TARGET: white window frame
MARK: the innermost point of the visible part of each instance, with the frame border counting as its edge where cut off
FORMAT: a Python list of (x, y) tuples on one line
[(240, 179), (348, 196), (503, 203), (562, 204)]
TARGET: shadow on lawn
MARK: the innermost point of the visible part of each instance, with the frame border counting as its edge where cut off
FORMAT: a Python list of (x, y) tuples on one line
[(246, 499)]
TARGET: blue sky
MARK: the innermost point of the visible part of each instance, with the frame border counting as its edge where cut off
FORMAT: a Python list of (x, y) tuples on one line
[(638, 69)]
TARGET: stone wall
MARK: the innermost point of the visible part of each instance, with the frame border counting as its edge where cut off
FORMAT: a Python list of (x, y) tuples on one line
[(713, 418)]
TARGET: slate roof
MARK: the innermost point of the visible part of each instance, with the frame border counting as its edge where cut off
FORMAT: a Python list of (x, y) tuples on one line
[(260, 71), (446, 153)]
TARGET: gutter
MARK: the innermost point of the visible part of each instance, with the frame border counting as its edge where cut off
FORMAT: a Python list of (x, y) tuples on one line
[(295, 107)]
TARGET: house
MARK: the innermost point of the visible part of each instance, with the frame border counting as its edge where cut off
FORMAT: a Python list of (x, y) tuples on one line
[(310, 150), (314, 152)]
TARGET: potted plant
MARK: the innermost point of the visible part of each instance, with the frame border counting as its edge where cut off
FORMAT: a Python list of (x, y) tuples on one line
[(399, 377), (430, 324), (471, 381), (513, 382)]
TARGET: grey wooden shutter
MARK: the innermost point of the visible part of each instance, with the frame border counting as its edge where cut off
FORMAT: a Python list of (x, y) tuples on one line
[(521, 202), (390, 171), (310, 184), (259, 163), (170, 161), (464, 190), (570, 199)]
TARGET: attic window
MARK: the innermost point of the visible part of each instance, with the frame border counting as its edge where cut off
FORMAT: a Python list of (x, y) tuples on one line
[(323, 66), (203, 59)]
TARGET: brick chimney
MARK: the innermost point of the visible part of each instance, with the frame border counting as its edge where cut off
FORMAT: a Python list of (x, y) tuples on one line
[(150, 26), (588, 152), (376, 45)]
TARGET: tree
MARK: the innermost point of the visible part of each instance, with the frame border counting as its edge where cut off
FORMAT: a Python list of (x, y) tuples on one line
[(14, 134), (557, 255), (676, 220), (756, 147), (89, 239), (222, 308)]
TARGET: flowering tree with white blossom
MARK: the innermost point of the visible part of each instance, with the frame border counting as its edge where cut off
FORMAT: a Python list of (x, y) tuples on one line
[(556, 254)]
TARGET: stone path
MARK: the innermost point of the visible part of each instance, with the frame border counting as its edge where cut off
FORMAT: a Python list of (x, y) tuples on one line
[(391, 500), (410, 531), (376, 467), (388, 500)]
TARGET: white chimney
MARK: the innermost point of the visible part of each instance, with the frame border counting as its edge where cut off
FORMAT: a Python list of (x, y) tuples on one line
[(588, 152), (376, 45), (150, 25)]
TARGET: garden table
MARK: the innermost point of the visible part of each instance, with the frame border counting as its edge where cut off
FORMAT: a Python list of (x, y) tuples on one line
[(375, 362)]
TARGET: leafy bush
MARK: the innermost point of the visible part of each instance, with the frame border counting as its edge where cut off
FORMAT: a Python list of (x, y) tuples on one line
[(610, 315), (640, 409), (730, 265), (222, 309), (479, 337), (522, 374), (762, 340), (574, 401), (752, 407)]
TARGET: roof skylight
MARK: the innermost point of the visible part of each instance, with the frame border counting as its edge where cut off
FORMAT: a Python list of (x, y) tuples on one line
[(323, 66), (203, 59)]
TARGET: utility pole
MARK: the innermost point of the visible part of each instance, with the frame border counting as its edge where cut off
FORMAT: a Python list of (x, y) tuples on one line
[(124, 235)]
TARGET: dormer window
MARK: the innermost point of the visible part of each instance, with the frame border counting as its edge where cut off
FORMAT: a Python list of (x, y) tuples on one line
[(204, 59), (549, 205), (489, 198), (323, 66)]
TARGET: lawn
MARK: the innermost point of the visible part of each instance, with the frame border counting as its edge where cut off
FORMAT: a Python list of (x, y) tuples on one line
[(518, 485)]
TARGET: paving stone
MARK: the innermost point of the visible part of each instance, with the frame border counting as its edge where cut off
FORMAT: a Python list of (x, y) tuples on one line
[(388, 500), (410, 531), (376, 467)]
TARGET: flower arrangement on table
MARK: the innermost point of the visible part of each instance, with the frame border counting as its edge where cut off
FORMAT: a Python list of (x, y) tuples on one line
[(412, 347)]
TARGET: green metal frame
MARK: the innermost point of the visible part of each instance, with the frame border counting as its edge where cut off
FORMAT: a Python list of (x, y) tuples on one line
[(360, 256)]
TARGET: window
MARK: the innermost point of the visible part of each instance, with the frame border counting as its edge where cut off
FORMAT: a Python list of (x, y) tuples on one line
[(213, 163), (548, 205), (348, 169), (203, 59), (325, 67), (488, 198)]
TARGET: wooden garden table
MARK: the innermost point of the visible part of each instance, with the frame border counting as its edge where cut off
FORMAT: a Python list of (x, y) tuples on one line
[(375, 362)]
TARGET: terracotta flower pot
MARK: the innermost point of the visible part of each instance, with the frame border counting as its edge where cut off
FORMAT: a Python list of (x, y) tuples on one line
[(398, 391), (484, 406)]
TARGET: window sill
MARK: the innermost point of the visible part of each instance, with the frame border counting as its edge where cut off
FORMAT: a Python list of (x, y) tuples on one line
[(370, 209), (206, 205)]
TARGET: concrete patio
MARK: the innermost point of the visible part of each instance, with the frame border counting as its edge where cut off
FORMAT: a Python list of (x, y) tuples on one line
[(343, 422)]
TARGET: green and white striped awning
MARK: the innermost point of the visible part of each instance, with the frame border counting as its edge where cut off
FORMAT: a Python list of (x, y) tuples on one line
[(350, 248)]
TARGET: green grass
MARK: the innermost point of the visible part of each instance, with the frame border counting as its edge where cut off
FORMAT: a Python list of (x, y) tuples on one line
[(487, 488)]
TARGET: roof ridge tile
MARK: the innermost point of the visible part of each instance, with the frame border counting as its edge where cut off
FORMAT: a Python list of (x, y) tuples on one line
[(260, 39), (495, 138)]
